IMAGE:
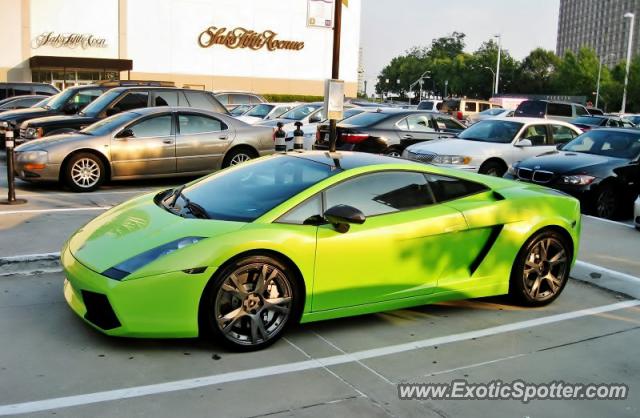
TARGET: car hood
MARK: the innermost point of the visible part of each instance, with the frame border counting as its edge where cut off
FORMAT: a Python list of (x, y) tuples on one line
[(249, 119), (274, 122), (566, 161), (22, 114), (454, 146), (137, 226), (48, 141), (55, 119)]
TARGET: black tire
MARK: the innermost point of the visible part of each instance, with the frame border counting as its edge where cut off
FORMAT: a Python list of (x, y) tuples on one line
[(544, 259), (84, 172), (251, 323), (238, 156), (393, 152), (60, 131), (493, 168), (606, 203)]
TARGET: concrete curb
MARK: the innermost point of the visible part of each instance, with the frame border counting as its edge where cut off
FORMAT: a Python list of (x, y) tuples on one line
[(30, 264), (605, 278)]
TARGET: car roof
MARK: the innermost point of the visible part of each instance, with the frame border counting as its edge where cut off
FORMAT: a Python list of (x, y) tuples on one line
[(523, 119), (347, 160), (163, 109)]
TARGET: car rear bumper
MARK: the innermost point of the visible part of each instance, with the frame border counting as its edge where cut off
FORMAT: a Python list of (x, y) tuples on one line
[(164, 306)]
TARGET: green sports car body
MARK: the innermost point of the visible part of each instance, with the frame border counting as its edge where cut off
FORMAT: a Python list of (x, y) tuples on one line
[(313, 236)]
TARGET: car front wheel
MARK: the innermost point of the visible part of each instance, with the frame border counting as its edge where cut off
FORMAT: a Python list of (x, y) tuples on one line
[(541, 269), (251, 302), (84, 172)]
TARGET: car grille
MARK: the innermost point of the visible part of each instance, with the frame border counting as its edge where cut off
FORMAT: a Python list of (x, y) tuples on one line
[(422, 157), (536, 176), (22, 132)]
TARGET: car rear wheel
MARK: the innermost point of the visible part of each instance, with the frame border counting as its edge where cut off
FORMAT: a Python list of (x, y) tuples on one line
[(251, 302), (84, 172), (493, 168), (394, 152), (541, 269), (238, 156), (606, 203)]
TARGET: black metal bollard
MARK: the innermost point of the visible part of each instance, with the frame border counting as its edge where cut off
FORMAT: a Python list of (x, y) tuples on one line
[(298, 137), (11, 196), (279, 136)]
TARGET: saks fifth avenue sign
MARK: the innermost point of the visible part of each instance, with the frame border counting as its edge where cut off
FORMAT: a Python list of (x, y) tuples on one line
[(245, 38), (69, 40)]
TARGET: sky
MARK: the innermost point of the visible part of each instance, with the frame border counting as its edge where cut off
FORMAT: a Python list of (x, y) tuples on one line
[(390, 27)]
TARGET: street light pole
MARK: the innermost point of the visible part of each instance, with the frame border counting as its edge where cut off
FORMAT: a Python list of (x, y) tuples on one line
[(598, 84), (626, 74), (497, 74), (335, 66)]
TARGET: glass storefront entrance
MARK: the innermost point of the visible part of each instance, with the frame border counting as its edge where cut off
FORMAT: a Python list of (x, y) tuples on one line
[(63, 78)]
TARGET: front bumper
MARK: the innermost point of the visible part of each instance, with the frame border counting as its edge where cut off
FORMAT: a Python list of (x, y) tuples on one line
[(51, 172), (163, 306)]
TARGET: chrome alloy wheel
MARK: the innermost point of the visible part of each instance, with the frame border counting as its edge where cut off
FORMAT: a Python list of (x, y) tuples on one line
[(239, 159), (545, 269), (253, 304), (85, 173)]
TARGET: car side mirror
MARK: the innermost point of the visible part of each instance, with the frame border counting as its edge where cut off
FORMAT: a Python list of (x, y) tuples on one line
[(559, 146), (70, 108), (524, 143), (125, 133), (315, 119), (341, 216)]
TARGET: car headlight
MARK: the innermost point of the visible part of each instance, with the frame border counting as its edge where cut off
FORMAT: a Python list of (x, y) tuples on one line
[(31, 133), (451, 159), (512, 170), (577, 179), (32, 157), (4, 124), (127, 267)]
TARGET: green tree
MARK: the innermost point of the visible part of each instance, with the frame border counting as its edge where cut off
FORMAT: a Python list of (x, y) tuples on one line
[(537, 71)]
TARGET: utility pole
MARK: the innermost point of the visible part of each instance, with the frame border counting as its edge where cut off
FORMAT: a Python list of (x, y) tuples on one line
[(626, 74), (335, 66), (498, 63)]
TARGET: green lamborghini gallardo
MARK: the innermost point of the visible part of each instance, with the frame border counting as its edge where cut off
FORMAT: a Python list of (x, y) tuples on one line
[(243, 253)]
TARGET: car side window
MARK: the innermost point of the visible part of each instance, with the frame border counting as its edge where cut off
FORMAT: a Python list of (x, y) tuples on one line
[(420, 123), (448, 123), (133, 100), (166, 98), (559, 109), (470, 107), (449, 188), (84, 97), (196, 124), (304, 211), (158, 126), (537, 134), (581, 111), (484, 106), (382, 193), (562, 134), (199, 100)]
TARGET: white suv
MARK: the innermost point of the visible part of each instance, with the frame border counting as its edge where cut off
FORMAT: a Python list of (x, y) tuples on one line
[(492, 146)]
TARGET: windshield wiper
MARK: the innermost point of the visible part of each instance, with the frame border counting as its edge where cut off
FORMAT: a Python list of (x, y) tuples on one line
[(194, 208)]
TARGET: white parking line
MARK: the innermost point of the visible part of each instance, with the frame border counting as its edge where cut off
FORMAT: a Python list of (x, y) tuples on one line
[(20, 212), (80, 195), (609, 221), (199, 382)]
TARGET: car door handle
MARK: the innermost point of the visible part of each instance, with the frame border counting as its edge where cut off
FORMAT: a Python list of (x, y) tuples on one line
[(407, 136), (223, 137), (168, 141)]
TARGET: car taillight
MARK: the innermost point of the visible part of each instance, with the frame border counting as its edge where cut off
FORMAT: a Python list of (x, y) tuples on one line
[(459, 115), (354, 138)]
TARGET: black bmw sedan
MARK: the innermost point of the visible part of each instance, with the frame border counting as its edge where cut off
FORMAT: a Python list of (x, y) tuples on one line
[(600, 167)]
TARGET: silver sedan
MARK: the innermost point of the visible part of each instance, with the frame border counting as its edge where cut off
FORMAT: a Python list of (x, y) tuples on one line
[(143, 143)]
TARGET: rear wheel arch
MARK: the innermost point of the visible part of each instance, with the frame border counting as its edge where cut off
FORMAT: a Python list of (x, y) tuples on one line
[(276, 255), (237, 148), (493, 161)]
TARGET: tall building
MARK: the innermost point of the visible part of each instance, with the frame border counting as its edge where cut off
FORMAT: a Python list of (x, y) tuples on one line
[(598, 24), (265, 46)]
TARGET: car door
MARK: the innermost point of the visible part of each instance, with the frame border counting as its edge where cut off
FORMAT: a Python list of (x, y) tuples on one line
[(401, 249), (149, 150), (540, 139), (201, 141), (416, 128), (446, 125), (561, 134)]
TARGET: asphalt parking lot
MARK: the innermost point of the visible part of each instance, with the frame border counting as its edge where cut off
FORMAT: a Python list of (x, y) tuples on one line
[(53, 363)]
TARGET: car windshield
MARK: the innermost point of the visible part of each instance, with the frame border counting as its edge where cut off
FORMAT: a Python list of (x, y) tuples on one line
[(301, 112), (492, 131), (248, 191), (609, 143), (43, 102), (94, 108), (56, 102), (588, 120), (260, 111), (107, 125)]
